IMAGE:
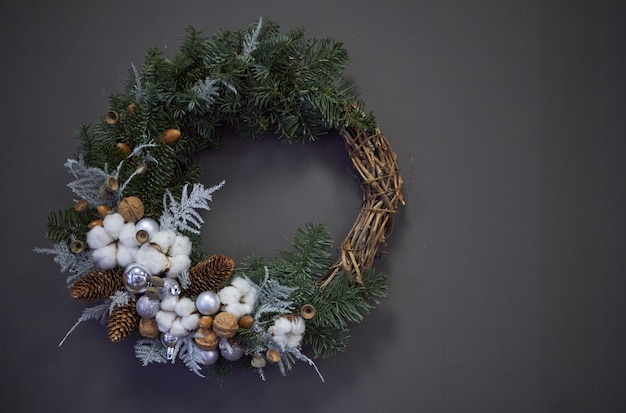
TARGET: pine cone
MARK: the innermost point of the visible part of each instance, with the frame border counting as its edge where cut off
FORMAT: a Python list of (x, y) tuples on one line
[(122, 321), (97, 285), (210, 274)]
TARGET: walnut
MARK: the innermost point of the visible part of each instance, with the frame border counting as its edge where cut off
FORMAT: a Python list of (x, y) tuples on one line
[(225, 324)]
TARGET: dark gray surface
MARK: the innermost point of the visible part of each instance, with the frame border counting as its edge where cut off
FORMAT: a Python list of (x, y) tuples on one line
[(506, 266)]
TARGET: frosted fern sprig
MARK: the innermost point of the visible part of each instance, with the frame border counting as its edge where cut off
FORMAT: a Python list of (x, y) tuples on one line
[(190, 356), (183, 215), (100, 311), (75, 264), (251, 41), (119, 299), (88, 180), (150, 351), (207, 90)]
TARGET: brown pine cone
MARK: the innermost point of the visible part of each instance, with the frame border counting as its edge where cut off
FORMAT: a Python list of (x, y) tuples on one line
[(122, 321), (97, 285), (210, 274)]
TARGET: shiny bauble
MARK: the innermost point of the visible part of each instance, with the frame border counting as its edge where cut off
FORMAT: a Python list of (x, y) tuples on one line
[(170, 287), (147, 307), (135, 278), (145, 228), (229, 351), (208, 303), (169, 340), (208, 357)]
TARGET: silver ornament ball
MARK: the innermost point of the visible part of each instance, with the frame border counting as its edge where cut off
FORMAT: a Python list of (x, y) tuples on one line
[(136, 278), (230, 352), (208, 357), (208, 303), (170, 287), (147, 307)]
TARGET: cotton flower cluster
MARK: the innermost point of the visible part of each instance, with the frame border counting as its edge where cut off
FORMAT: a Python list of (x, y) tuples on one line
[(115, 243), (239, 297), (177, 316), (288, 332)]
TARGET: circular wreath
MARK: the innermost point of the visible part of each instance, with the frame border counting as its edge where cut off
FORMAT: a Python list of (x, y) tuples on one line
[(130, 239)]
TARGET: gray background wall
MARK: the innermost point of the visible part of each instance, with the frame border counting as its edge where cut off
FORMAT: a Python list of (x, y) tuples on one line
[(506, 266)]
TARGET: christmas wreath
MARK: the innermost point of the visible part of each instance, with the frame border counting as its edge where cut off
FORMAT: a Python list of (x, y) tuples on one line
[(130, 241)]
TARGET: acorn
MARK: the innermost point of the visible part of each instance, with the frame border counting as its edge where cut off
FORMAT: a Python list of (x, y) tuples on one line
[(95, 223), (206, 321), (124, 148), (77, 246), (81, 205), (112, 184), (131, 208), (246, 321), (307, 311), (112, 117), (170, 135), (103, 210), (272, 355), (131, 108)]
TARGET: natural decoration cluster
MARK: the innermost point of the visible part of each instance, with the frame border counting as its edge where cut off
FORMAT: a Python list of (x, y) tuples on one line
[(130, 238)]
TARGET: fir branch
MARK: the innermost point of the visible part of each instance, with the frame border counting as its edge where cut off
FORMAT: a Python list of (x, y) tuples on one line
[(150, 351), (66, 225), (182, 215), (99, 311)]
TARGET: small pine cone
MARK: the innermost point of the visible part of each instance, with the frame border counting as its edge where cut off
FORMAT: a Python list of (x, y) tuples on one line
[(122, 321), (97, 285), (210, 274)]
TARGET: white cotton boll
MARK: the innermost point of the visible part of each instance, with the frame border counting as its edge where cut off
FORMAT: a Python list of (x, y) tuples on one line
[(298, 326), (250, 297), (178, 264), (281, 326), (190, 322), (164, 320), (151, 259), (280, 339), (164, 239), (185, 306), (242, 285), (97, 237), (169, 303), (237, 309), (128, 235), (126, 255), (181, 246), (113, 224), (293, 340), (229, 295), (105, 257), (178, 329)]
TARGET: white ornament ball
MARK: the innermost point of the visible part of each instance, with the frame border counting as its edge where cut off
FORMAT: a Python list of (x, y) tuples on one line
[(147, 307), (147, 224), (208, 357), (208, 303)]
